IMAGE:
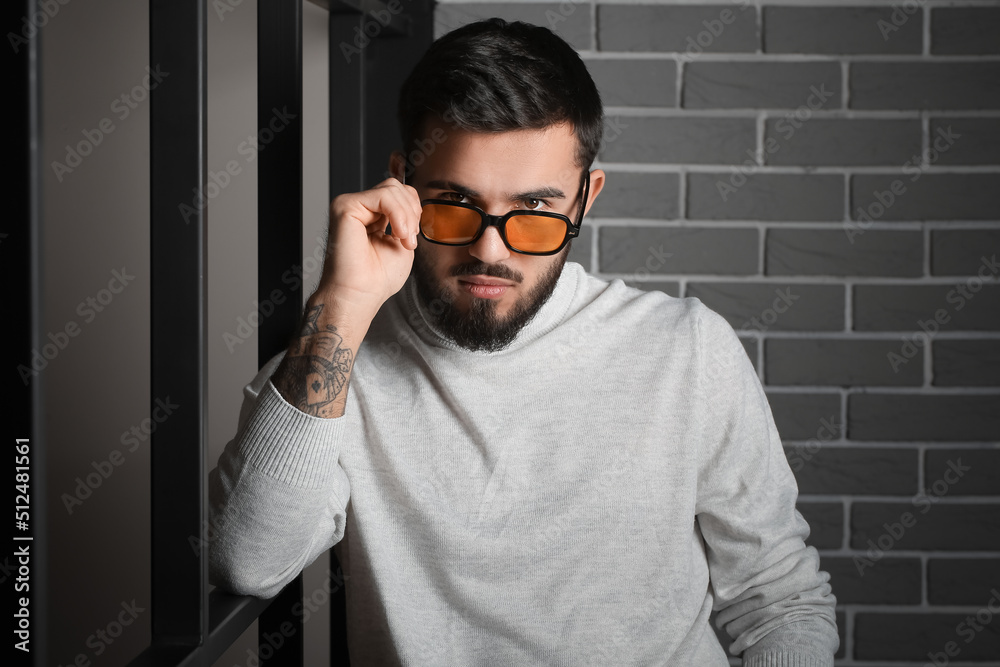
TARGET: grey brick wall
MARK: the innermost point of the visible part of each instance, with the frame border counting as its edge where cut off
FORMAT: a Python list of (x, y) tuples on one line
[(826, 176)]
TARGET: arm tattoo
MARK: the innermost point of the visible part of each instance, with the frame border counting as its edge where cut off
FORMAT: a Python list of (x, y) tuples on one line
[(315, 369)]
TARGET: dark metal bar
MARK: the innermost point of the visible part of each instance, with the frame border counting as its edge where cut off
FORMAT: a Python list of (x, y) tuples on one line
[(387, 65), (280, 640), (279, 248), (229, 617), (177, 306), (347, 104), (347, 123), (279, 192)]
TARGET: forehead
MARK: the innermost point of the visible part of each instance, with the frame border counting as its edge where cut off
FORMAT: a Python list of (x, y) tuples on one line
[(519, 159)]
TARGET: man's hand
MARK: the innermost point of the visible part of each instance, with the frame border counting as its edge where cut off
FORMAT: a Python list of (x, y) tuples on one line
[(364, 267)]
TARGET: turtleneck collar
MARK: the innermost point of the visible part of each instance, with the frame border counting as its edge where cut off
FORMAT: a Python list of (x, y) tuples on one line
[(552, 312)]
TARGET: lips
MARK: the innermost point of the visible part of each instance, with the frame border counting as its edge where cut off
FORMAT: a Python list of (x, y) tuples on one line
[(485, 280)]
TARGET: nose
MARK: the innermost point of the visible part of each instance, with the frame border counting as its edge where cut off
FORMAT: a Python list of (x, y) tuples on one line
[(489, 247)]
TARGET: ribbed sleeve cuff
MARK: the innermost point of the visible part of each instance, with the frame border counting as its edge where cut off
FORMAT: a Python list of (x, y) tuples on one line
[(787, 659), (285, 443)]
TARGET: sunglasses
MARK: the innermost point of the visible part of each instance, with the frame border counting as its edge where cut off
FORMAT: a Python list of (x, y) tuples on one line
[(527, 232)]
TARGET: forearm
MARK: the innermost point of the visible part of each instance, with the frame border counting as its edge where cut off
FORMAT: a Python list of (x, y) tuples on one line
[(278, 497), (316, 371)]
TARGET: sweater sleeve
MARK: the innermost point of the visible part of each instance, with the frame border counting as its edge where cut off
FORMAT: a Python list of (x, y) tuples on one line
[(771, 596), (278, 496)]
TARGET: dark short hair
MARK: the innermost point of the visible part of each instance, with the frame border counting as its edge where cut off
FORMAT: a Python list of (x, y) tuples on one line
[(498, 76)]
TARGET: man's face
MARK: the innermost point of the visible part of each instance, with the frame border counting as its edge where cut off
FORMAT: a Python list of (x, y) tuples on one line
[(483, 294)]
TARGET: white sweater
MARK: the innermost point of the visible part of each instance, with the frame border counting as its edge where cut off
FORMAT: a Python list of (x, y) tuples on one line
[(584, 497)]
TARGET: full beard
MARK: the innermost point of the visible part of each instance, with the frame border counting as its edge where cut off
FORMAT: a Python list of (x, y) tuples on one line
[(480, 328)]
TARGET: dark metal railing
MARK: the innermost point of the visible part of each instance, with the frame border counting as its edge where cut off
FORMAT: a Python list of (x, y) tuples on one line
[(190, 625)]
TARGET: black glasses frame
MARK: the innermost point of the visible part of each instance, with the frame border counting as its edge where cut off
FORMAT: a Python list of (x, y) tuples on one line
[(500, 222)]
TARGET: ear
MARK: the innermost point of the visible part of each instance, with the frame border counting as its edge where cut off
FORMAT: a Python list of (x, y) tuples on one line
[(597, 177), (397, 165)]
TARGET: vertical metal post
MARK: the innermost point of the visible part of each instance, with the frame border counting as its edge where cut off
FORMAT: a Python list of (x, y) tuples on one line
[(347, 104), (177, 45), (279, 191), (279, 246), (347, 160)]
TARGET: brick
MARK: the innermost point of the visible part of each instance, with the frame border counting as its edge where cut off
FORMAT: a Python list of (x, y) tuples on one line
[(571, 21), (837, 362), (978, 143), (801, 140), (807, 307), (982, 478), (940, 417), (733, 195), (579, 250), (671, 287), (964, 581), (913, 636), (848, 30), (802, 416), (952, 307), (848, 470), (688, 30), (937, 527), (842, 634), (915, 195), (963, 252), (966, 363), (829, 252), (632, 195), (826, 524), (691, 249), (761, 85), (892, 581), (636, 83), (750, 347), (925, 85), (682, 141), (965, 30)]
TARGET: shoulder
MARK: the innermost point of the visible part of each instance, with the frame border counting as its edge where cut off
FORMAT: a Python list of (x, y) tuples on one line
[(621, 304)]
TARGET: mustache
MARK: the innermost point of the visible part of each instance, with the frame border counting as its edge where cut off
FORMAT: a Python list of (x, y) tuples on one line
[(501, 271)]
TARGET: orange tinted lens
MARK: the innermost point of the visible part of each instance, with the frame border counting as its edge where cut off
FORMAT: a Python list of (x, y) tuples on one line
[(449, 224), (535, 233)]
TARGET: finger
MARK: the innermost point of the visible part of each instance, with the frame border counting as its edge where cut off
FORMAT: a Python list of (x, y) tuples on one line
[(379, 206)]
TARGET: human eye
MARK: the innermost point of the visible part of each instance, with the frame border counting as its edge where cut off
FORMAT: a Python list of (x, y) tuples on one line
[(534, 204), (455, 197)]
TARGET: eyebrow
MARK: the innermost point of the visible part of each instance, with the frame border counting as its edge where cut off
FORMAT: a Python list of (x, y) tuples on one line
[(541, 193)]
